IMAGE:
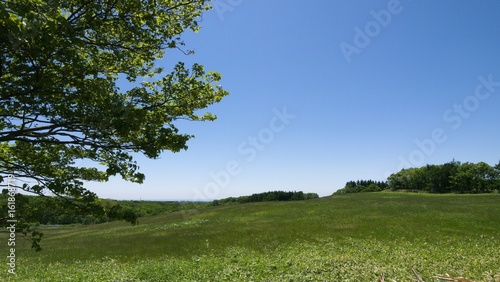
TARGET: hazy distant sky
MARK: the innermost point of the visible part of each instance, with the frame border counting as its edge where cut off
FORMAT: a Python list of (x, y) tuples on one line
[(324, 92)]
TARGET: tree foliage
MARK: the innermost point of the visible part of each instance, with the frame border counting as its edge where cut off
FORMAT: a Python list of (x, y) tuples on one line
[(451, 177), (60, 62), (267, 197), (360, 186), (52, 211)]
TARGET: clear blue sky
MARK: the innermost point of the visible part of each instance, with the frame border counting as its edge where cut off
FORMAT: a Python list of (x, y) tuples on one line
[(324, 92)]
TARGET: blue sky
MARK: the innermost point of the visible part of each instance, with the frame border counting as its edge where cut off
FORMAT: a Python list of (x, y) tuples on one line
[(324, 92)]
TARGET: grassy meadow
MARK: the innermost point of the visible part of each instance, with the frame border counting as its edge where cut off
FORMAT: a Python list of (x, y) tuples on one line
[(356, 237)]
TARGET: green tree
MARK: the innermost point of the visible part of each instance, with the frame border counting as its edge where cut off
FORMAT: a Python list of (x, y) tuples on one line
[(309, 196), (59, 100), (397, 181), (463, 180), (407, 179), (448, 171), (372, 188), (476, 178)]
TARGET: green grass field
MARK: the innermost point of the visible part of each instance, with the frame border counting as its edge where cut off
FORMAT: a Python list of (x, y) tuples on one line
[(353, 237)]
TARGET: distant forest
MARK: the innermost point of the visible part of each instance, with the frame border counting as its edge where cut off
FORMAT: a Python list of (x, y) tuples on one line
[(52, 211), (47, 210), (267, 197), (451, 177)]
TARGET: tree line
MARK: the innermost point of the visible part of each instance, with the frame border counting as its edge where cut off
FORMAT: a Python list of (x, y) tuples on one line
[(267, 197), (360, 186), (47, 210), (451, 177)]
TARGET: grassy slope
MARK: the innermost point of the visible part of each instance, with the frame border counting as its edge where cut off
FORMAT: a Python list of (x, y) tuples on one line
[(337, 238)]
